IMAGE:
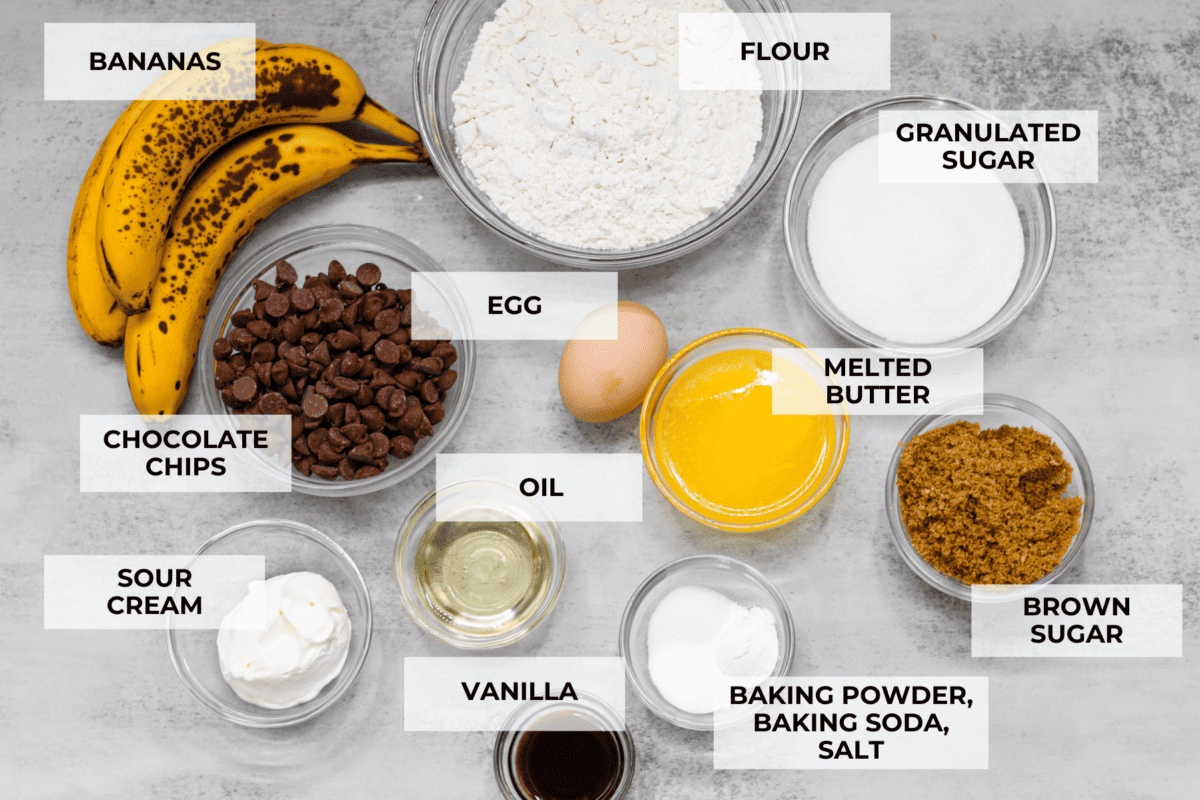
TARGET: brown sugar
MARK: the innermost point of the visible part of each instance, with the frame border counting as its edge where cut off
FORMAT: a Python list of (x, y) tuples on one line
[(987, 506)]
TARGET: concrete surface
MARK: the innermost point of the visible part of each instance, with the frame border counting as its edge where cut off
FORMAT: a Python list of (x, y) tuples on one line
[(1111, 347)]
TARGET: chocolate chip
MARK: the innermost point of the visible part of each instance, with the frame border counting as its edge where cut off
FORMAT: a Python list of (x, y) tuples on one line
[(446, 380), (337, 273), (331, 309), (402, 446), (387, 321), (262, 352), (273, 403), (342, 340), (429, 391), (368, 274), (387, 351), (278, 304), (244, 389), (324, 471), (356, 432), (224, 374), (347, 468), (262, 289), (242, 339), (315, 406), (350, 289), (366, 471), (302, 300), (240, 318), (431, 365), (284, 273), (222, 349)]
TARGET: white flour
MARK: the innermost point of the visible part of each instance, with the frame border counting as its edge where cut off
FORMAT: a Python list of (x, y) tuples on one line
[(571, 120)]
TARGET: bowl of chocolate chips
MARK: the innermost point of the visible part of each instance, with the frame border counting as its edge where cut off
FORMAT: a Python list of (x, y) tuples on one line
[(318, 325)]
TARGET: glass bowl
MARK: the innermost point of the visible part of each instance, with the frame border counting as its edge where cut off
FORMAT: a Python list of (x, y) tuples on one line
[(998, 410), (732, 339), (736, 580), (1035, 207), (590, 712), (310, 251), (501, 502), (442, 54), (288, 547)]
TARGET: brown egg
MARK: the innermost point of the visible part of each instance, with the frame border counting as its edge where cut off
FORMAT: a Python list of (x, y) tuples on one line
[(602, 379)]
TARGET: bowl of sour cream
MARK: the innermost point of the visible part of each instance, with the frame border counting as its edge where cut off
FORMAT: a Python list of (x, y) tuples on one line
[(295, 642)]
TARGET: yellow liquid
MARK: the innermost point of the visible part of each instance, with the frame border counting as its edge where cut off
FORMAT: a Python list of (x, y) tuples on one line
[(483, 577), (719, 447)]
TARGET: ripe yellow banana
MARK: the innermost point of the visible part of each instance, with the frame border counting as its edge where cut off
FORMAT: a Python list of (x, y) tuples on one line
[(95, 308), (236, 189), (98, 312), (167, 143)]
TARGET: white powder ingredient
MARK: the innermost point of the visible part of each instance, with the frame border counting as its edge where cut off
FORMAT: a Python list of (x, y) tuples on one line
[(571, 120), (914, 263), (696, 636)]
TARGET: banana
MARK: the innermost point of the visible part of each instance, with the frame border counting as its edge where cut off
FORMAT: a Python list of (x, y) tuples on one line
[(98, 313), (166, 144), (236, 189)]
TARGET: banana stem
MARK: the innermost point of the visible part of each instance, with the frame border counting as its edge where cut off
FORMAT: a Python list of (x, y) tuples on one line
[(376, 115)]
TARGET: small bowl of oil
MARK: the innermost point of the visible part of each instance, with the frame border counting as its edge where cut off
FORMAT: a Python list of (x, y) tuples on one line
[(478, 564)]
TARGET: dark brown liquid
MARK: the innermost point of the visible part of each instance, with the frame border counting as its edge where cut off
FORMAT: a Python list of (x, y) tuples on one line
[(569, 765)]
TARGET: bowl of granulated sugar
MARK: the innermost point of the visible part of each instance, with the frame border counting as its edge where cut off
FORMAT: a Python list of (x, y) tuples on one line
[(909, 265)]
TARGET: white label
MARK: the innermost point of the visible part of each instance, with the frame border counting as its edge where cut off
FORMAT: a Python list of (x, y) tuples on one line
[(871, 382), (511, 305), (985, 146), (834, 51), (572, 487), (1065, 621), (121, 60), (186, 453), (854, 723), (478, 694), (143, 592)]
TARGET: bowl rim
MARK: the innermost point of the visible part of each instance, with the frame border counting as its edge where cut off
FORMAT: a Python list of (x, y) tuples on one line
[(951, 586), (399, 249), (787, 649), (304, 711), (808, 283), (649, 410), (445, 633), (444, 158)]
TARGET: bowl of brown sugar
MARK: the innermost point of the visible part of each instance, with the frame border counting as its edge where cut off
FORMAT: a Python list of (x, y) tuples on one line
[(1004, 498)]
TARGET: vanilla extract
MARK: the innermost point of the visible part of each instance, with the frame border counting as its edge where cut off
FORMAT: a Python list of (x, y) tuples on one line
[(569, 764)]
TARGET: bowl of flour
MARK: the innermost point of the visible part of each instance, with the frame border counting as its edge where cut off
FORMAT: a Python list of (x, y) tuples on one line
[(906, 266), (561, 126)]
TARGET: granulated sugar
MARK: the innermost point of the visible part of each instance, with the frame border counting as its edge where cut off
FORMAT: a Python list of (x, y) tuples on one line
[(570, 118), (914, 263)]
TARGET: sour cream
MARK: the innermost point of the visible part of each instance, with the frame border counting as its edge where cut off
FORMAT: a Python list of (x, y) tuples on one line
[(285, 641)]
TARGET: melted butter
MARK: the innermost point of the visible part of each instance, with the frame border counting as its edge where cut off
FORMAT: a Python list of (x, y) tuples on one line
[(719, 446)]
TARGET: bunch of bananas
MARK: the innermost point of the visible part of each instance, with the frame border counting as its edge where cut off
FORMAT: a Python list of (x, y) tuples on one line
[(177, 186)]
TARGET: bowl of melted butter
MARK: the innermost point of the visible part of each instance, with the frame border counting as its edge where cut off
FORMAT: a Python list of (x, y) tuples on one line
[(478, 564)]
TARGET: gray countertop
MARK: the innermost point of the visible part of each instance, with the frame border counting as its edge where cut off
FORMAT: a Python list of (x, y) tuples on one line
[(1110, 346)]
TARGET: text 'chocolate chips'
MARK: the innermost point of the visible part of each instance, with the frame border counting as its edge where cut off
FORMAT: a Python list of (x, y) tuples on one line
[(336, 353)]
